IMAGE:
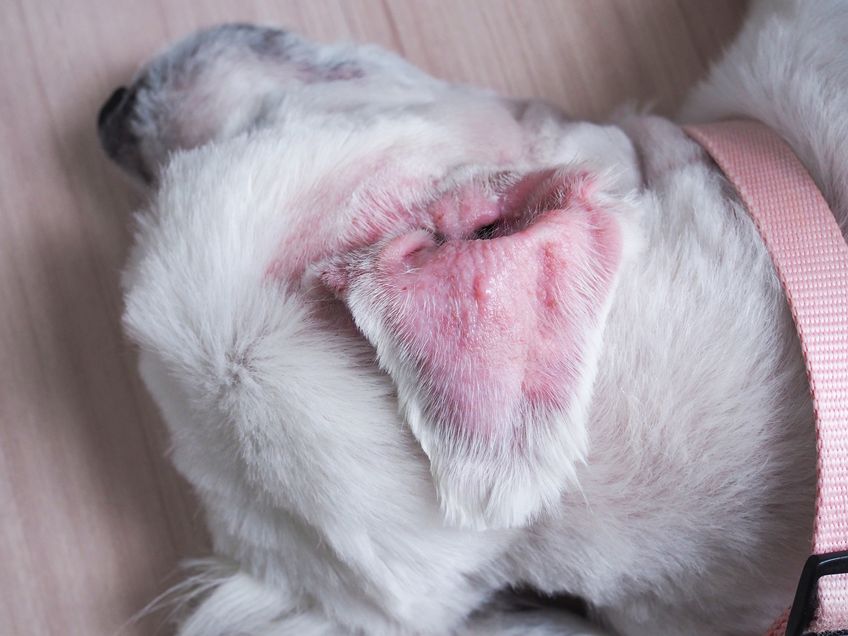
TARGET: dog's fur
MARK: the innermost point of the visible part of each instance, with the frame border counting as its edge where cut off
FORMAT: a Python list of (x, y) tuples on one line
[(671, 487)]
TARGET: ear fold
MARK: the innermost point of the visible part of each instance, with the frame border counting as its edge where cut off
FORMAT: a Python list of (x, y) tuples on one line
[(494, 344)]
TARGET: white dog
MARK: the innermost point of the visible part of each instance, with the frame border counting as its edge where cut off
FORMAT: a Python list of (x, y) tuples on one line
[(417, 344)]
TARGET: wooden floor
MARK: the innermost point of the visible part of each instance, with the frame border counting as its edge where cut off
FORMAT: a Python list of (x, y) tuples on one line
[(93, 519)]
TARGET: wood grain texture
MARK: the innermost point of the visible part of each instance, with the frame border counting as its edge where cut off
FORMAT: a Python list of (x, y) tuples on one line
[(93, 519)]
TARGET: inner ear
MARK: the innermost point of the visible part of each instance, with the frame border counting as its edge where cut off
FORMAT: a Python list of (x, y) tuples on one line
[(490, 322)]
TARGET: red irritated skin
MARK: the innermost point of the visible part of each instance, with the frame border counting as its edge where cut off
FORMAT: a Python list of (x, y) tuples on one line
[(489, 303)]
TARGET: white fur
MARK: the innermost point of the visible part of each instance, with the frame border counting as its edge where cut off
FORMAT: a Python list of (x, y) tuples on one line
[(689, 508)]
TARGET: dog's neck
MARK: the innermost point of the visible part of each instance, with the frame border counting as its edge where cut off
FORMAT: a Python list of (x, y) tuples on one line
[(701, 372)]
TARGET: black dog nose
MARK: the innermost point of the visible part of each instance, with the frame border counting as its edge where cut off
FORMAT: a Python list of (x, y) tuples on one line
[(111, 105)]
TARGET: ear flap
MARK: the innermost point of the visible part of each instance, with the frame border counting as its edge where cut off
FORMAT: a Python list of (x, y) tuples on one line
[(493, 344)]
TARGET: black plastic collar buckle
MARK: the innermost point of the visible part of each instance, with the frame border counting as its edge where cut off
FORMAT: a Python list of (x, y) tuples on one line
[(806, 599)]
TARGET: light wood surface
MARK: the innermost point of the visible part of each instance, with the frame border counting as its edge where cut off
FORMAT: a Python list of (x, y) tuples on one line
[(93, 519)]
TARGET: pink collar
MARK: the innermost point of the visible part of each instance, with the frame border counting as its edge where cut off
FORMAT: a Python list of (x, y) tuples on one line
[(811, 259)]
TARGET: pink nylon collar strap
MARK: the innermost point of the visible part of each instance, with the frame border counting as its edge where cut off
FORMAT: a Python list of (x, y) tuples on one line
[(811, 259)]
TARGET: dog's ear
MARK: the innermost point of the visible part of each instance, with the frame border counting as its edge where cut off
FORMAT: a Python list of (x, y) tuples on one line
[(230, 79), (493, 342)]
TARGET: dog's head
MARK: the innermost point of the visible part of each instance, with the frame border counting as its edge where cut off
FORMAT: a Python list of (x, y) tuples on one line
[(340, 249)]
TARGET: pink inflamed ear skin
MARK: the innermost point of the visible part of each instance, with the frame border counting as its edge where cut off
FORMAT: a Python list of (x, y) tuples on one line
[(489, 319)]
